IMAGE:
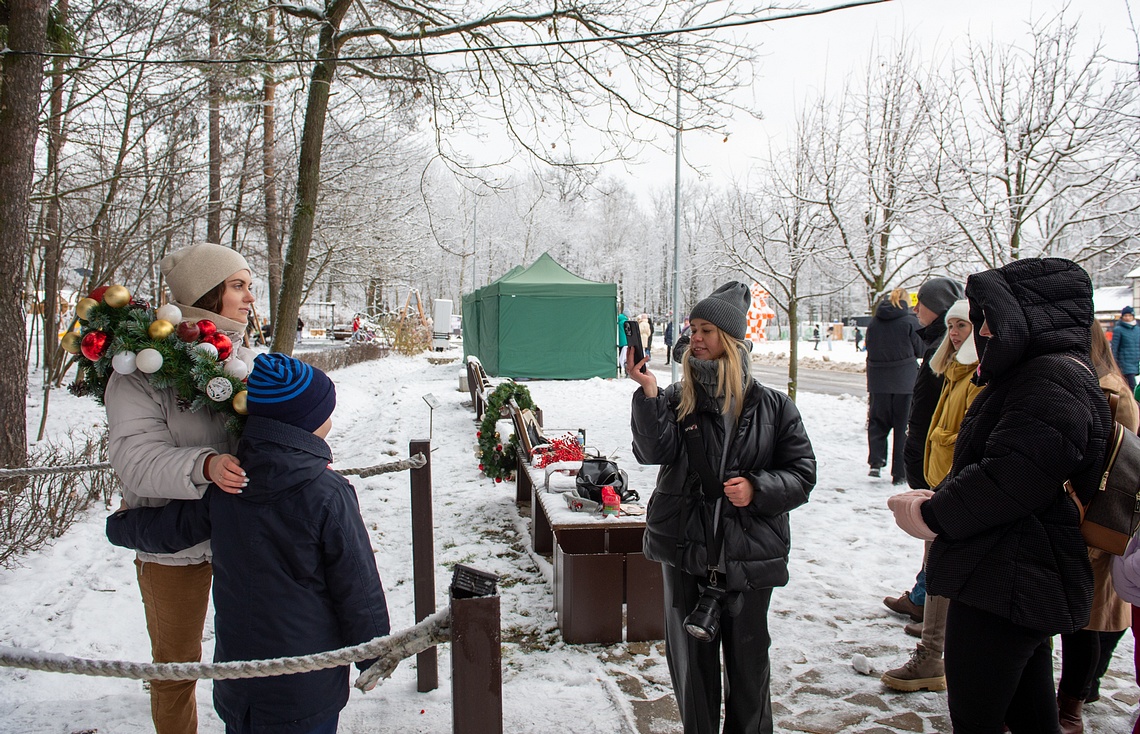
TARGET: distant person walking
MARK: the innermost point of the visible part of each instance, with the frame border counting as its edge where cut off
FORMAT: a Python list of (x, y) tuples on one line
[(668, 341), (1126, 345), (858, 338), (893, 349), (622, 342), (830, 336), (815, 337)]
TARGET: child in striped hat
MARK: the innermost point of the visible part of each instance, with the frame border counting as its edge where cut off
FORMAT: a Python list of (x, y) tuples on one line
[(294, 572)]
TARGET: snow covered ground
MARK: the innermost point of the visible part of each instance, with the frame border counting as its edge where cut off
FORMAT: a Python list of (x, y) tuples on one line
[(79, 596)]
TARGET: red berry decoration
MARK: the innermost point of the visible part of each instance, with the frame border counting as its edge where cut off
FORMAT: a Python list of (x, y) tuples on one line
[(207, 328), (188, 331), (93, 345), (97, 294), (223, 344), (478, 434)]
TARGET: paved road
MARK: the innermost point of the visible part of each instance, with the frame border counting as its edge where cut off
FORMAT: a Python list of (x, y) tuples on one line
[(828, 382)]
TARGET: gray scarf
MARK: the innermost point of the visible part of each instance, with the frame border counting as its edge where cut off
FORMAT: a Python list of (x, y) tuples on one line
[(705, 373)]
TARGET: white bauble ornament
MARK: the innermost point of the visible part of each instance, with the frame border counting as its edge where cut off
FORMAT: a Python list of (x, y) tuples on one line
[(219, 389), (124, 362), (236, 368), (207, 348), (148, 361), (170, 313)]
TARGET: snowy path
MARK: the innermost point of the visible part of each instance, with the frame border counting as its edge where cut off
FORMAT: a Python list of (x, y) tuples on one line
[(79, 596)]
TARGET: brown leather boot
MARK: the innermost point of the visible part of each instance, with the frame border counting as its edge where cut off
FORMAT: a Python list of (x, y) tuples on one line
[(1069, 709)]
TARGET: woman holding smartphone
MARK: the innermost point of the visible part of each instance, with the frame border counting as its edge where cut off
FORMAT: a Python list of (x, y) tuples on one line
[(735, 460)]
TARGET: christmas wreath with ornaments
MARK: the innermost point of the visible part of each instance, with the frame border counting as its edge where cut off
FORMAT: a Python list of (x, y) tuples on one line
[(497, 459), (119, 333)]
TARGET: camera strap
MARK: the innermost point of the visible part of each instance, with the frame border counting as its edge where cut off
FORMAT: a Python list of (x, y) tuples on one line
[(712, 489)]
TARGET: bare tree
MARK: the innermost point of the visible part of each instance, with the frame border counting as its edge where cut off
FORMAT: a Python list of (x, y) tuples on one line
[(1033, 150), (868, 167), (538, 91), (21, 75), (784, 236)]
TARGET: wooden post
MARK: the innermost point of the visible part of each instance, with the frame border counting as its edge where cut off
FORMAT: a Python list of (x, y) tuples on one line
[(423, 560), (476, 659)]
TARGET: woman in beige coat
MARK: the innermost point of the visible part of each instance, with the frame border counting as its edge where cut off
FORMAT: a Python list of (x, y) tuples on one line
[(161, 452), (1085, 654)]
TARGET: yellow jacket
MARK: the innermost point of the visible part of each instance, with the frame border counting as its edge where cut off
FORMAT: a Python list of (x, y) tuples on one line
[(957, 394)]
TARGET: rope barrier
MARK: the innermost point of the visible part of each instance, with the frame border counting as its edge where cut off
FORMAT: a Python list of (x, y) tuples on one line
[(390, 650), (412, 462)]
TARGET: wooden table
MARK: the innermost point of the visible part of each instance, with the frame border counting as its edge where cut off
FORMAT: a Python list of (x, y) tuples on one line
[(598, 567)]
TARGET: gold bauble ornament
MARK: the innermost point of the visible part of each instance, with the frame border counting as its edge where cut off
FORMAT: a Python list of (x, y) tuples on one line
[(159, 329), (70, 342), (117, 296), (83, 308), (239, 403)]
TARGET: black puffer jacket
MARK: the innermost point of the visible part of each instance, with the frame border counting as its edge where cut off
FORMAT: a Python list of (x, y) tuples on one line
[(893, 348), (1008, 537), (770, 447), (294, 573), (927, 391)]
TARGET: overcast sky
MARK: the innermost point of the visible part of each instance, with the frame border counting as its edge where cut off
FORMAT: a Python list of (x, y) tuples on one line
[(805, 56)]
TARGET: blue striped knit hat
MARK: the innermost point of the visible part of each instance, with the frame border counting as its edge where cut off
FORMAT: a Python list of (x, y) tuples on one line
[(290, 391)]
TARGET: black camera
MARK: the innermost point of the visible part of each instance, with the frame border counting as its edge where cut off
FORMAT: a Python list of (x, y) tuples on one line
[(704, 621)]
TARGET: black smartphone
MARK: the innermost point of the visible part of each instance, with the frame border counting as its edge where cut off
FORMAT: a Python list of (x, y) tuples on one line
[(633, 339)]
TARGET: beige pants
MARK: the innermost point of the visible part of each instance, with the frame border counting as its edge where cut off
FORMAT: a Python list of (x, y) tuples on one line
[(175, 599)]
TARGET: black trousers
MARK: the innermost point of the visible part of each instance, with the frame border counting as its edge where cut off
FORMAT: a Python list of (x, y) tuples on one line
[(695, 666), (998, 672), (1085, 657), (888, 412)]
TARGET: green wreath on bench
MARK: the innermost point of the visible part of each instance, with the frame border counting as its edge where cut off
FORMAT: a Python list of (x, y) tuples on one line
[(497, 458)]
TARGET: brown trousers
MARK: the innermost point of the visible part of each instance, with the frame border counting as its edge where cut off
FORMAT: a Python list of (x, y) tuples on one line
[(175, 599)]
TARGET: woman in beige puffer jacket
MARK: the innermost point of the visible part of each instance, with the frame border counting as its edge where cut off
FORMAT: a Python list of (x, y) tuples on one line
[(162, 451)]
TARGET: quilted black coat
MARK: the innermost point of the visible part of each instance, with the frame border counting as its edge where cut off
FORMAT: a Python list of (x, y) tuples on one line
[(1008, 536), (769, 446)]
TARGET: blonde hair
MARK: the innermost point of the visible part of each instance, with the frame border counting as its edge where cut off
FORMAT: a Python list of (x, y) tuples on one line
[(729, 378), (898, 295), (944, 356)]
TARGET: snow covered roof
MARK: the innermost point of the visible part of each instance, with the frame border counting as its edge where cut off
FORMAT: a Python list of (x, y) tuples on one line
[(1111, 298)]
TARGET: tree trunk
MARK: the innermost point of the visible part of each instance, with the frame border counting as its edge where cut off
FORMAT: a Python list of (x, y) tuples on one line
[(52, 218), (269, 171), (308, 181), (214, 91), (19, 106), (793, 343)]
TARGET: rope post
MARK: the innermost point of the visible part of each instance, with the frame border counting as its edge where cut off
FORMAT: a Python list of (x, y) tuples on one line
[(423, 560), (476, 658)]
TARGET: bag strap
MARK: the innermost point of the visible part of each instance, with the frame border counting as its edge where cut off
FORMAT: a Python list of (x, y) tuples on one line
[(1113, 402), (712, 489)]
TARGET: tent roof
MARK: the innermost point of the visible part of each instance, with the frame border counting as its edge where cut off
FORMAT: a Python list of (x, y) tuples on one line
[(546, 272)]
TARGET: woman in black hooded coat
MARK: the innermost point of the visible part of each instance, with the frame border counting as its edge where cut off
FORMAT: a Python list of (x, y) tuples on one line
[(1007, 547)]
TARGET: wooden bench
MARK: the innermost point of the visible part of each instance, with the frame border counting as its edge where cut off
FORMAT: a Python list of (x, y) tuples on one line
[(479, 385), (598, 568)]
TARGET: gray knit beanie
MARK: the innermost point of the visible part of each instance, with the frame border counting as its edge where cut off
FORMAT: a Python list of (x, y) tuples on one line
[(939, 294), (727, 308), (192, 271)]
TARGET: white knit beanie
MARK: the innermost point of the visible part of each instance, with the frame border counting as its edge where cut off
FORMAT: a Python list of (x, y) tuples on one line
[(193, 271), (960, 310)]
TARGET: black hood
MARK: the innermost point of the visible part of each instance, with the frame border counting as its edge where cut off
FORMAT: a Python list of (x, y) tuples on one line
[(1033, 307), (279, 459), (887, 310)]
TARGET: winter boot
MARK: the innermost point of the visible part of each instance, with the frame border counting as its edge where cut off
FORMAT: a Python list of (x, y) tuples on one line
[(923, 672), (902, 604), (1069, 709), (914, 629)]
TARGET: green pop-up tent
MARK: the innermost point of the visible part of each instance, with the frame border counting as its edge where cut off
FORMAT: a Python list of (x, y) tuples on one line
[(543, 322)]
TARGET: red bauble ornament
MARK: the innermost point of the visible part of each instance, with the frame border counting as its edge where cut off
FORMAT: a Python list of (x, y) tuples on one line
[(478, 434), (498, 480), (499, 447), (207, 328), (97, 294), (188, 331), (480, 467), (93, 345), (222, 342)]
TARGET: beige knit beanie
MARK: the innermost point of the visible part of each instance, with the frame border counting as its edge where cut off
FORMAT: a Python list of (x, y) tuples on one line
[(192, 271)]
